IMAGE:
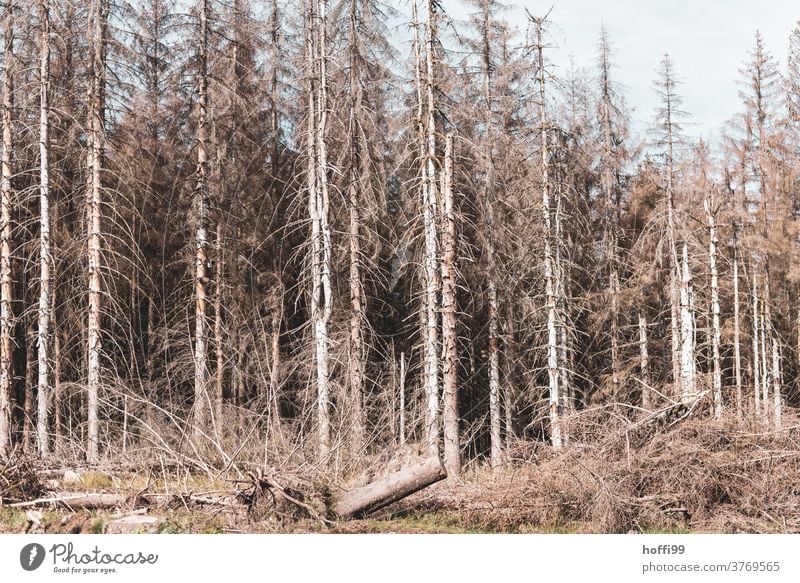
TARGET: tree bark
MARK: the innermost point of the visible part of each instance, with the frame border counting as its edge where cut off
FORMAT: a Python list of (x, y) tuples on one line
[(756, 363), (765, 372), (709, 205), (687, 332), (644, 362), (611, 215), (28, 425), (45, 259), (318, 212), (430, 214), (219, 343), (6, 282), (402, 405), (390, 489), (737, 354), (96, 138), (201, 398), (452, 443), (776, 385), (58, 420), (556, 434), (495, 426), (357, 361)]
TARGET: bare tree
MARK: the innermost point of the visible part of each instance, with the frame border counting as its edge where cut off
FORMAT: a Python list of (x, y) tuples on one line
[(452, 443), (98, 22), (201, 397), (669, 130), (319, 203), (432, 283), (45, 258), (6, 283), (711, 208), (550, 273)]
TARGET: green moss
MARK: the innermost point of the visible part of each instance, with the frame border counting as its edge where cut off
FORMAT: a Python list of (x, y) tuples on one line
[(169, 527), (97, 526), (12, 520), (96, 481)]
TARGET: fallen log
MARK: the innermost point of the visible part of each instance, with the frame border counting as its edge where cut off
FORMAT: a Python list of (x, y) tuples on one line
[(78, 500), (389, 489)]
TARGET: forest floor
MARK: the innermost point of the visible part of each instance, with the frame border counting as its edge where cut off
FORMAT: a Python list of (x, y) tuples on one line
[(696, 476)]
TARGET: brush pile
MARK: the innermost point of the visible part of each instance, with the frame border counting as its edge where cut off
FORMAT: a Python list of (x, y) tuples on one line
[(697, 475), (19, 478)]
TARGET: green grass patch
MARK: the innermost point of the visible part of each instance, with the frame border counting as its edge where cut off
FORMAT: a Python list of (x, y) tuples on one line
[(96, 481)]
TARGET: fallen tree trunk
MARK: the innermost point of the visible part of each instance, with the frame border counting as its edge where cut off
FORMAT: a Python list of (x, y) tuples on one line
[(392, 488), (78, 500)]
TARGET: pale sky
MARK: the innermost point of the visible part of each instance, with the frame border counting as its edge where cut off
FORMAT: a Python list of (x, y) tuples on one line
[(708, 41)]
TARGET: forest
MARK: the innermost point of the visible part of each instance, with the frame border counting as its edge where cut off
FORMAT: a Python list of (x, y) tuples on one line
[(258, 255)]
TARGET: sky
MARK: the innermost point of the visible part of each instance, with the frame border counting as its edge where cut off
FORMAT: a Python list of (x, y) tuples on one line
[(708, 41)]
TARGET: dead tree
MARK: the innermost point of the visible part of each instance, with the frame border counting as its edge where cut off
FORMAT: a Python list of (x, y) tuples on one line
[(756, 359), (201, 398), (687, 331), (357, 361), (644, 362), (6, 281), (550, 273), (45, 258), (709, 204), (426, 113), (392, 488), (667, 121), (98, 19), (737, 354), (611, 211), (487, 146), (452, 444), (318, 205)]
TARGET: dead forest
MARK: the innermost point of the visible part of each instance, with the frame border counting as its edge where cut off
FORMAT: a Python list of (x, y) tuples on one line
[(305, 258)]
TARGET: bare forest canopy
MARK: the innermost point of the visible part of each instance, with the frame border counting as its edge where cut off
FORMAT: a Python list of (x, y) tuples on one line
[(240, 232)]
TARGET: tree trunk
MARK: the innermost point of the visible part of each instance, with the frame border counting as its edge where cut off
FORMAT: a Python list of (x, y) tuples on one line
[(496, 444), (508, 394), (96, 138), (644, 362), (6, 281), (28, 430), (357, 361), (452, 444), (556, 435), (43, 333), (715, 325), (687, 332), (201, 400), (674, 266), (430, 215), (776, 384), (402, 405), (219, 346), (58, 420), (765, 384), (737, 354), (756, 359), (390, 489), (318, 212)]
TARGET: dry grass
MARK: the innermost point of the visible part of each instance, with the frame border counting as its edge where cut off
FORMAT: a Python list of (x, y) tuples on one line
[(675, 475), (700, 476)]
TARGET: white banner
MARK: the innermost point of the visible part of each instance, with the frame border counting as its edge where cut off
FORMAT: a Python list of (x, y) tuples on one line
[(397, 557)]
